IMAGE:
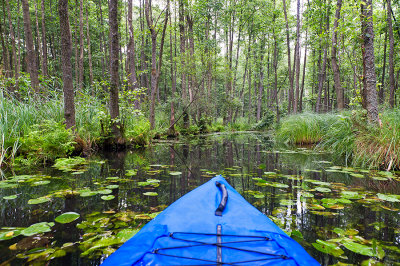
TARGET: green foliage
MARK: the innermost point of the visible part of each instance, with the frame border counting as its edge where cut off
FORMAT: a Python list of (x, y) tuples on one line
[(266, 122), (307, 128), (348, 135), (46, 142)]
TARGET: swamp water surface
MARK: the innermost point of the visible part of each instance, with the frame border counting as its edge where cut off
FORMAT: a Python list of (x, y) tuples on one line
[(82, 210)]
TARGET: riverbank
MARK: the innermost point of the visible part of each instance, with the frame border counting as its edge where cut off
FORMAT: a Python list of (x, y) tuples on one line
[(347, 135), (32, 130)]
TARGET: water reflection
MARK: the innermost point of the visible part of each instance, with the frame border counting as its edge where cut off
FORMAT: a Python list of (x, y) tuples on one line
[(288, 195)]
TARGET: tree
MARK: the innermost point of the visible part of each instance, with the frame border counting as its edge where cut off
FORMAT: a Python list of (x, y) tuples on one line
[(132, 80), (369, 79), (31, 57), (66, 53), (154, 70), (116, 126), (335, 66), (290, 105), (391, 53)]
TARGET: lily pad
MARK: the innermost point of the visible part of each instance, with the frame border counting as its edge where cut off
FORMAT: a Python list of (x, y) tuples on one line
[(388, 197), (40, 183), (104, 191), (37, 229), (328, 248), (38, 200), (67, 217), (323, 189), (285, 202), (108, 197), (132, 172), (175, 173), (364, 250), (10, 197), (112, 186), (88, 193), (152, 194)]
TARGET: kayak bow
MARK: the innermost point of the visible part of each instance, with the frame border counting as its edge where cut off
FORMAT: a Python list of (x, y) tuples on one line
[(211, 225)]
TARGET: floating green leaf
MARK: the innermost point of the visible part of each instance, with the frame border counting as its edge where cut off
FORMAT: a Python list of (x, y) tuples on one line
[(323, 189), (40, 183), (126, 234), (388, 197), (9, 234), (112, 186), (285, 202), (175, 173), (108, 197), (88, 193), (152, 194), (364, 250), (357, 175), (104, 191), (37, 229), (10, 197), (328, 248), (67, 217), (38, 200), (132, 172)]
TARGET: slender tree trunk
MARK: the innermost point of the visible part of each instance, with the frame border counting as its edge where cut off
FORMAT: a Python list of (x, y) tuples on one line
[(39, 42), (290, 99), (304, 73), (335, 66), (371, 100), (102, 40), (391, 54), (18, 66), (12, 35), (66, 54), (171, 130), (382, 86), (297, 53), (261, 81), (89, 45), (31, 56), (114, 83), (322, 74), (81, 38), (7, 67), (44, 42), (132, 80), (183, 59)]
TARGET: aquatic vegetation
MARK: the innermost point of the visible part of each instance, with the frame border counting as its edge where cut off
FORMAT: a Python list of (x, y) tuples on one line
[(70, 164), (67, 217)]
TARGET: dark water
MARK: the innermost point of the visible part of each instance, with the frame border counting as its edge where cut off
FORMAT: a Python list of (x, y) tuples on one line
[(304, 192)]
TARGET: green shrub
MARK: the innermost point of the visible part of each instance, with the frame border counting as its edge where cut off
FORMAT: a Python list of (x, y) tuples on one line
[(46, 142)]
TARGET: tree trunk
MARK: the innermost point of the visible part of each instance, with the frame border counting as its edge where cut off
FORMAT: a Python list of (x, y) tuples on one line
[(371, 101), (335, 66), (382, 86), (183, 59), (31, 56), (66, 53), (44, 42), (102, 40), (304, 73), (39, 42), (290, 99), (5, 53), (81, 37), (391, 54), (297, 53), (12, 35), (171, 130), (89, 46), (116, 126), (322, 74)]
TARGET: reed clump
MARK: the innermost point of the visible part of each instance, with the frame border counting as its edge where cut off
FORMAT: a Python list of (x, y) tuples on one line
[(348, 135)]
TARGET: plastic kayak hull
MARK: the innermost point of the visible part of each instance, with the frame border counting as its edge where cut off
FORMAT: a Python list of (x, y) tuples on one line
[(199, 229)]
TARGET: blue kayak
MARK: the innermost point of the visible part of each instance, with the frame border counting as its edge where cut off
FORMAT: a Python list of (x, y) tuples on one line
[(211, 225)]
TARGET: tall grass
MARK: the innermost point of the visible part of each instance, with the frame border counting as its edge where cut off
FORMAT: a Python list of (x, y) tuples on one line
[(306, 128), (348, 135)]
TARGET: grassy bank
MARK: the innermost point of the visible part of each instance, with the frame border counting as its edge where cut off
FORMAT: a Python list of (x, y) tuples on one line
[(348, 135), (32, 129)]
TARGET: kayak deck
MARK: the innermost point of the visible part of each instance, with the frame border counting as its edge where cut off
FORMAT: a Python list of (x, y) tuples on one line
[(211, 225)]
